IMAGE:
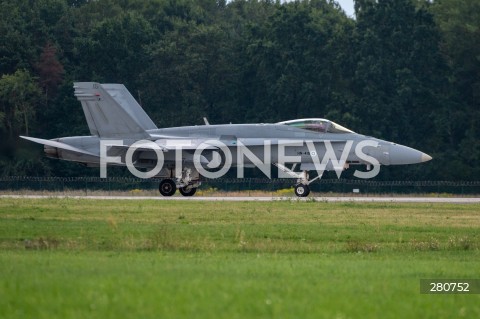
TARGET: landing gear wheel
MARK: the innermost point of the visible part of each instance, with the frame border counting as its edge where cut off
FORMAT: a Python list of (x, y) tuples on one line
[(302, 190), (187, 190), (167, 187)]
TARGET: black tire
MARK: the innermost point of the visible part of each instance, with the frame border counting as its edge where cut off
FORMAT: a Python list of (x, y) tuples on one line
[(187, 190), (302, 190), (167, 187)]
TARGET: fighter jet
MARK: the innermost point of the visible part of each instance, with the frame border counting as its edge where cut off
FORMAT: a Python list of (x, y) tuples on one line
[(123, 134)]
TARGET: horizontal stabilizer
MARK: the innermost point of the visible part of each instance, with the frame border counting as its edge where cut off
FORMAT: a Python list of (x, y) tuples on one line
[(58, 145)]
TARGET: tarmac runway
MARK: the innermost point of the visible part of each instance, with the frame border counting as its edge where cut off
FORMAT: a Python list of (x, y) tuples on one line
[(455, 200)]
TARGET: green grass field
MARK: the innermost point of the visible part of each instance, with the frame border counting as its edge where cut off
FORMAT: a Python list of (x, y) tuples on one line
[(74, 258)]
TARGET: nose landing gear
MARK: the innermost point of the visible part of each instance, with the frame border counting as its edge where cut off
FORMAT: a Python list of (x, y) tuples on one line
[(301, 188)]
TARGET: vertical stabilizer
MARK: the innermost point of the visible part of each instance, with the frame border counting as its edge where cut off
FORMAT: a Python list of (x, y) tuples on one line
[(123, 97), (112, 112)]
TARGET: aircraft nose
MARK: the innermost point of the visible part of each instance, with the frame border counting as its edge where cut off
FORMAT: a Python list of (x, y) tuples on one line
[(401, 155), (426, 157)]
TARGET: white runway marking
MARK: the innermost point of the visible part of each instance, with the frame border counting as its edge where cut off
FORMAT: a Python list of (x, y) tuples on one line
[(456, 200)]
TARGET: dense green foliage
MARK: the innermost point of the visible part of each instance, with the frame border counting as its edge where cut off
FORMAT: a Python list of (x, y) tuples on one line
[(401, 70), (67, 258)]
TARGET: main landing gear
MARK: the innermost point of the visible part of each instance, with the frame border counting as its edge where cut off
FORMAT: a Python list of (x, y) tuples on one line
[(167, 187), (187, 190), (186, 184), (302, 188)]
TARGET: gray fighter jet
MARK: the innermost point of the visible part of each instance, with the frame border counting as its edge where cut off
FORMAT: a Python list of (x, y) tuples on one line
[(123, 134)]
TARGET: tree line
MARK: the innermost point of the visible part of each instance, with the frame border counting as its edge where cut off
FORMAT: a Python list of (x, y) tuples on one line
[(401, 70)]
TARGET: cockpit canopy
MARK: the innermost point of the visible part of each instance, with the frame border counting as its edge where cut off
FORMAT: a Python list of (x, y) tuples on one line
[(317, 125)]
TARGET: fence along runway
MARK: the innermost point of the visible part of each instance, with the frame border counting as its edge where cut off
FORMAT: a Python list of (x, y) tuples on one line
[(344, 186)]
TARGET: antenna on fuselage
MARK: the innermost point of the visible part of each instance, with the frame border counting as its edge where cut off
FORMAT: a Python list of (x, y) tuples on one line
[(206, 121)]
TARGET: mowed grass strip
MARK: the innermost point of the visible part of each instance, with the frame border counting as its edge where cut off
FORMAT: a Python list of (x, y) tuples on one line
[(276, 227), (74, 258)]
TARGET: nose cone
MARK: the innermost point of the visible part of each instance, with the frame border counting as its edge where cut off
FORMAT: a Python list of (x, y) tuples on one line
[(426, 157), (402, 155)]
